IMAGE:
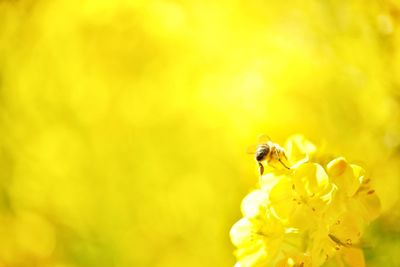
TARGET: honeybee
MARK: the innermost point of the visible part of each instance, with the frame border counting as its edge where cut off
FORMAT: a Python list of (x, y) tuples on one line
[(269, 152)]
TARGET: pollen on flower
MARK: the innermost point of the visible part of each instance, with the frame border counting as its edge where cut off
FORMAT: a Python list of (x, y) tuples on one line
[(307, 215)]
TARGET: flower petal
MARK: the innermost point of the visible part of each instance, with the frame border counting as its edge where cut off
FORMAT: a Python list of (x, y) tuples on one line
[(254, 204), (282, 199), (299, 148), (344, 175)]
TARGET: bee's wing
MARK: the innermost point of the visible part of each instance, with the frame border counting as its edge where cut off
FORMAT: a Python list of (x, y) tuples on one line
[(263, 138), (251, 149)]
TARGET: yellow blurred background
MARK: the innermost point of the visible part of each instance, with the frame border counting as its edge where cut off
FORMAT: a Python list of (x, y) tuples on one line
[(124, 124)]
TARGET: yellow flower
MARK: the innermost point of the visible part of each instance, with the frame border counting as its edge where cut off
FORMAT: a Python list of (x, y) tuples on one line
[(345, 176), (257, 240), (299, 149), (255, 204), (306, 215), (300, 198)]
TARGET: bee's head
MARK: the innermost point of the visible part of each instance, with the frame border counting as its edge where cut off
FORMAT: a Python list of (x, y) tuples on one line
[(262, 152)]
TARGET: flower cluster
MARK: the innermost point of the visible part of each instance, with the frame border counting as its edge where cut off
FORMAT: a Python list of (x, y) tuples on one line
[(307, 215)]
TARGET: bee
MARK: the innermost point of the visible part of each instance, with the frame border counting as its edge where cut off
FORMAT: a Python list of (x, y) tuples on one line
[(269, 152)]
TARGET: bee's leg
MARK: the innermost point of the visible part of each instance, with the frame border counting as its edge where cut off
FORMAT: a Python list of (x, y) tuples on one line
[(261, 168), (283, 164), (280, 160)]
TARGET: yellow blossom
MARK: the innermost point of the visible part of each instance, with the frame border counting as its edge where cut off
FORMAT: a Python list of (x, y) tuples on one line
[(257, 240), (299, 149), (306, 215)]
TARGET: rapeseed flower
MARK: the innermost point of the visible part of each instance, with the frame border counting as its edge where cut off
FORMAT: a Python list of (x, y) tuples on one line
[(306, 215)]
